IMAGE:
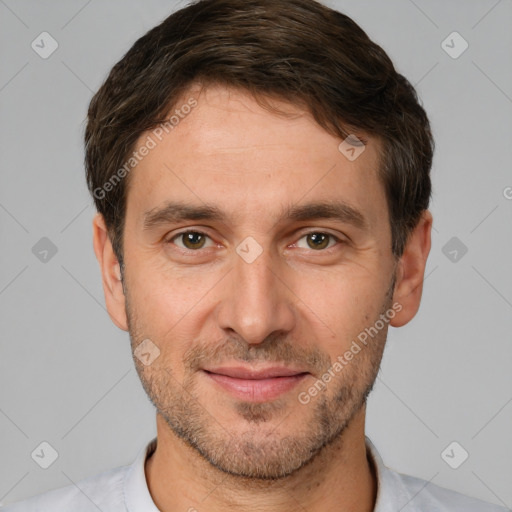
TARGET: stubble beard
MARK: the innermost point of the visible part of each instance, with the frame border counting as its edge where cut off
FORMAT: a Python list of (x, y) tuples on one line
[(262, 450)]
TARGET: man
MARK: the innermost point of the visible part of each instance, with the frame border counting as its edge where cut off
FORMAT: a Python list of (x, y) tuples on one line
[(261, 174)]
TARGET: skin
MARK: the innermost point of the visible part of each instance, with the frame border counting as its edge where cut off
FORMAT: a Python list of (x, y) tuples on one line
[(295, 304)]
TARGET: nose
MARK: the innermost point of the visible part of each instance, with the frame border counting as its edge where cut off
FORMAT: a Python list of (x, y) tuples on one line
[(256, 301)]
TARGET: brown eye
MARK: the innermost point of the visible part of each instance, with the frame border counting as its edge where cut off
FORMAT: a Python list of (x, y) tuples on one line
[(191, 240), (318, 241)]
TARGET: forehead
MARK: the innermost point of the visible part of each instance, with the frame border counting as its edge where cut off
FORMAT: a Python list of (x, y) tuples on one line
[(228, 151)]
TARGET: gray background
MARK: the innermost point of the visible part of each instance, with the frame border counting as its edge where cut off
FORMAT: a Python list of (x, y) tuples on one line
[(66, 371)]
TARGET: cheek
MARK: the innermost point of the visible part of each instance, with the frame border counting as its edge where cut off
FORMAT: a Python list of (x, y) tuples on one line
[(169, 308), (341, 305), (164, 295)]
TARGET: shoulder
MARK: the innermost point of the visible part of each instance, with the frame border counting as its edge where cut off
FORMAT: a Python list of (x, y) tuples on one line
[(426, 496), (103, 491)]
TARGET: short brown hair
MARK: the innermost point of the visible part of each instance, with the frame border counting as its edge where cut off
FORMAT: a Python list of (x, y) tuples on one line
[(296, 50)]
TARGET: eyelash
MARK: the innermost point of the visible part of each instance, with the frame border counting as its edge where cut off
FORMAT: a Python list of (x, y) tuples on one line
[(182, 233)]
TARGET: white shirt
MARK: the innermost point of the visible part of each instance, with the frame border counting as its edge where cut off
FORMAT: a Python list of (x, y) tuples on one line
[(124, 489)]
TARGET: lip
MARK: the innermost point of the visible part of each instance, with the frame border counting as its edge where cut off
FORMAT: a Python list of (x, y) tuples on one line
[(240, 372), (253, 385)]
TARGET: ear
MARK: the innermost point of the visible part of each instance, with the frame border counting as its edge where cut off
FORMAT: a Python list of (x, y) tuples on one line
[(110, 271), (411, 271)]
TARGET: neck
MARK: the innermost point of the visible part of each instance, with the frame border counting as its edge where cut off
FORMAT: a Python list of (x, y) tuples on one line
[(340, 478)]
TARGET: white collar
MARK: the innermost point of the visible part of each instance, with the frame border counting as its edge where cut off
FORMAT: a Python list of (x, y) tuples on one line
[(136, 492)]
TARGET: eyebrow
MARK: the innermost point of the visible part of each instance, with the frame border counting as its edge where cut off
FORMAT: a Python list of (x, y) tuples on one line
[(175, 211)]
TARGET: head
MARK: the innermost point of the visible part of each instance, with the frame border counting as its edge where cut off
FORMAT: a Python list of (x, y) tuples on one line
[(261, 174)]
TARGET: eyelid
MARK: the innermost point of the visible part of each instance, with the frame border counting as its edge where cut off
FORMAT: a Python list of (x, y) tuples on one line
[(325, 231)]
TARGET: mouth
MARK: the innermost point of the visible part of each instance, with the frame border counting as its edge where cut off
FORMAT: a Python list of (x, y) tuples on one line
[(253, 385)]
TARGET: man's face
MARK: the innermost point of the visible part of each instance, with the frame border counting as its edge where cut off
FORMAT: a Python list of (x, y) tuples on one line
[(248, 311)]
